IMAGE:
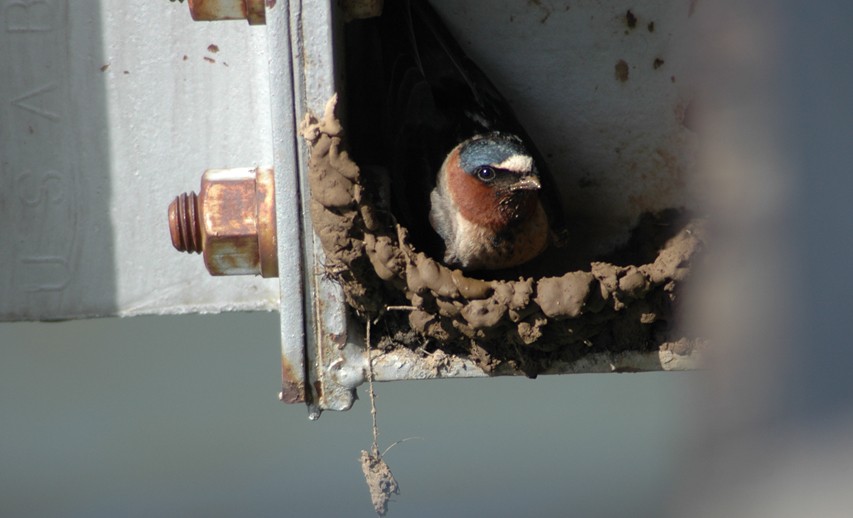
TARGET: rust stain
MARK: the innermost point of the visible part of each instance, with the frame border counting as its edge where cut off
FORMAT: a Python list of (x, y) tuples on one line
[(270, 4), (201, 10), (692, 9), (292, 388), (213, 48), (621, 70), (209, 59), (266, 221), (318, 390), (251, 10), (255, 12), (687, 115), (630, 19), (185, 57)]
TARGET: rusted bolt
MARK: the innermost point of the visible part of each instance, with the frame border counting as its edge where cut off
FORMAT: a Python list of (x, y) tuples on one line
[(231, 222), (212, 10)]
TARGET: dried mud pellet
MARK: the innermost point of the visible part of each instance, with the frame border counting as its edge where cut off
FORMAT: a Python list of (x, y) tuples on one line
[(530, 331), (413, 279), (483, 313), (464, 328), (432, 326), (607, 275), (634, 283), (522, 292), (320, 147), (331, 189), (515, 295), (447, 307), (564, 297), (341, 161), (648, 318), (381, 255), (419, 319), (471, 288), (436, 277)]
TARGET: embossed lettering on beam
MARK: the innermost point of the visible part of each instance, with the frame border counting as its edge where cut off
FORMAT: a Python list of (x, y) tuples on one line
[(28, 16)]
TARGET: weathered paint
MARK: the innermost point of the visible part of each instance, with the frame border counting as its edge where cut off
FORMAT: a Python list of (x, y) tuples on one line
[(297, 329)]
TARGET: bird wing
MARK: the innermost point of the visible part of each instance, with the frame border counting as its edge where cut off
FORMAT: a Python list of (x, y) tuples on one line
[(435, 98)]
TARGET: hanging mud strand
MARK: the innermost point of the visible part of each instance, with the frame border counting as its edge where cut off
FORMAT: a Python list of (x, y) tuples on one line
[(374, 426), (380, 481)]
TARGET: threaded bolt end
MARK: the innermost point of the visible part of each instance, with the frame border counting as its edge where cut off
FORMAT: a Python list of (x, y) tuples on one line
[(185, 223)]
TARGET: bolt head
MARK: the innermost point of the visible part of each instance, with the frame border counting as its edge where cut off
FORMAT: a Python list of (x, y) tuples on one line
[(237, 212), (213, 10)]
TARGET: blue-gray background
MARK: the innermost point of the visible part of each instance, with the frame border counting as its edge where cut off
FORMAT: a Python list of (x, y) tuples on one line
[(178, 416)]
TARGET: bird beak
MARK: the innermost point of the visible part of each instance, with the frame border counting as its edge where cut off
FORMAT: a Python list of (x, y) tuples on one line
[(526, 183)]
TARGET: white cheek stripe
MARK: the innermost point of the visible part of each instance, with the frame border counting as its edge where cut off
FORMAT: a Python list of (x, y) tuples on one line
[(517, 164)]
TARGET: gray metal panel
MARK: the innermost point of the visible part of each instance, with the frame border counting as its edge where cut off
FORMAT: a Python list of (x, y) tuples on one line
[(311, 33), (108, 109)]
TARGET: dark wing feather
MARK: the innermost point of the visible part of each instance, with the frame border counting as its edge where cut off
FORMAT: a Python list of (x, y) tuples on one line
[(436, 97), (469, 100)]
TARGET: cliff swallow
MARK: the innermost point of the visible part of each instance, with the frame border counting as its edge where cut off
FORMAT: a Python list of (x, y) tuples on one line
[(466, 179), (485, 205)]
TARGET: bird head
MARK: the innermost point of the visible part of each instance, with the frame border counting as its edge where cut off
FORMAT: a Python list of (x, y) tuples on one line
[(492, 179)]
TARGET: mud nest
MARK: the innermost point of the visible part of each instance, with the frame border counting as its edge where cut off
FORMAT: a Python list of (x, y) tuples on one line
[(524, 324)]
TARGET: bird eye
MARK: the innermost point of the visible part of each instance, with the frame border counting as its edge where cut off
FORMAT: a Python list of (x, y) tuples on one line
[(486, 173)]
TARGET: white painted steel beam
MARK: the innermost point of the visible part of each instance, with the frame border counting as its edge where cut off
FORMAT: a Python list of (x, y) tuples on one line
[(108, 109)]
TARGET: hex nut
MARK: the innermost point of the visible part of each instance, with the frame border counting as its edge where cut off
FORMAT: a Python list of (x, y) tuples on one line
[(231, 222)]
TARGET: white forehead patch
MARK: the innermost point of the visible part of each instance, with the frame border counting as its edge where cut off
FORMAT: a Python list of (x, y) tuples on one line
[(517, 164)]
